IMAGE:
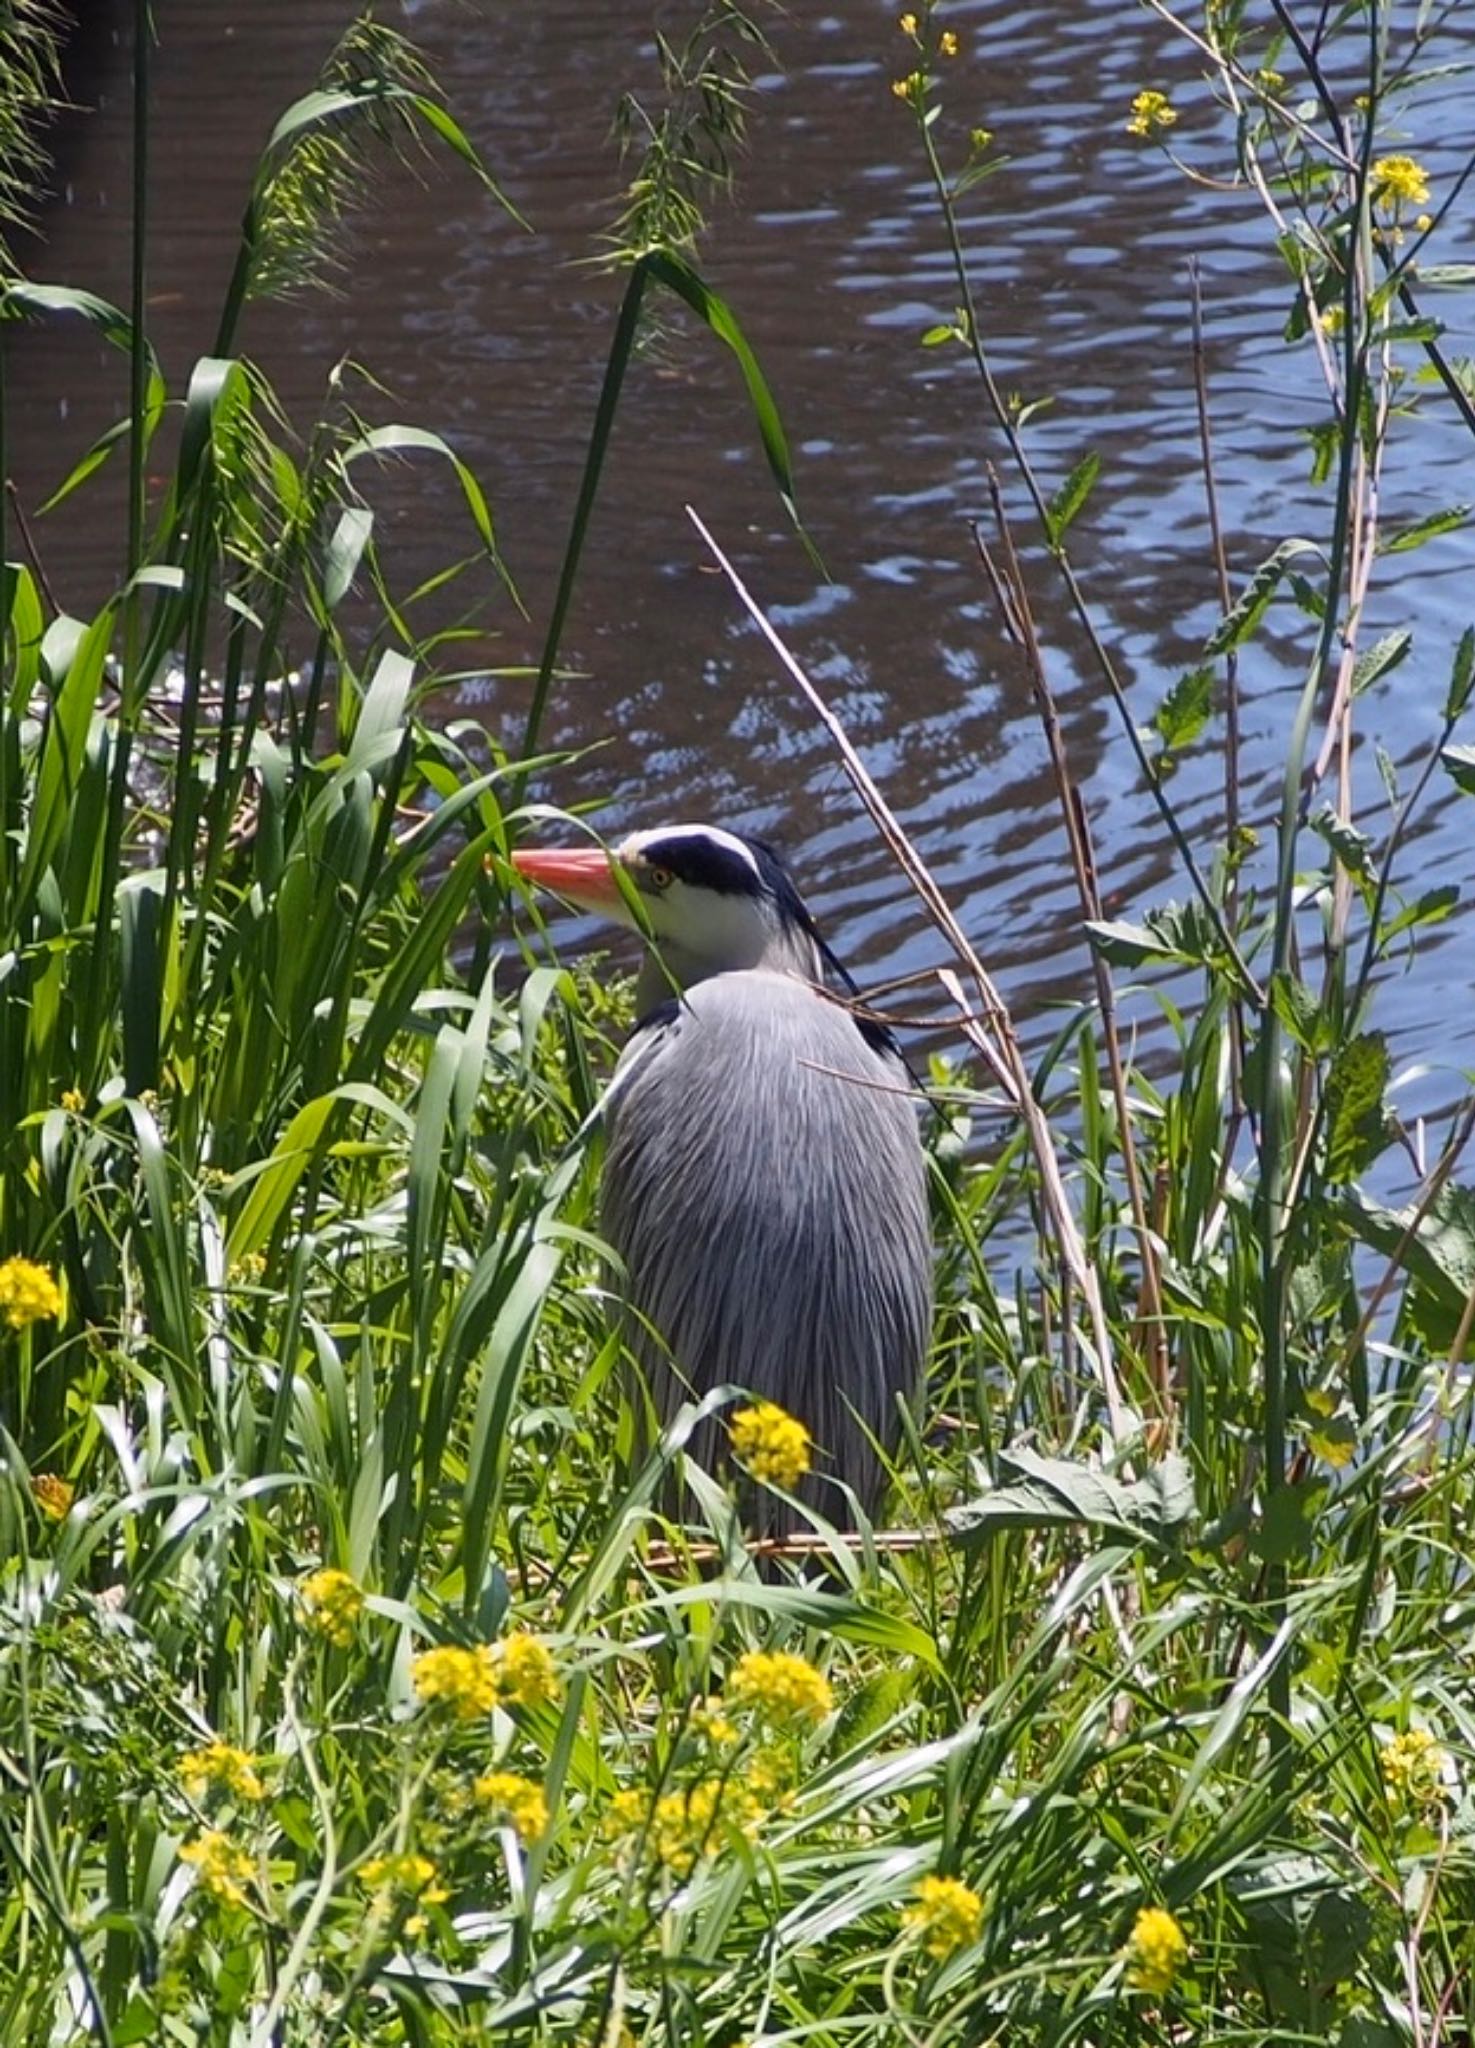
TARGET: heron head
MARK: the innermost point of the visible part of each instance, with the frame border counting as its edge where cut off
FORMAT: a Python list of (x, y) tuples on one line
[(707, 900)]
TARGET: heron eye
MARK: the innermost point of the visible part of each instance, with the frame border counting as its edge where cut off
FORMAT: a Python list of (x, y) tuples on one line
[(659, 878)]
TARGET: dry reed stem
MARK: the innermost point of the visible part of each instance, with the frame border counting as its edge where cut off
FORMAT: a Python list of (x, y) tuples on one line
[(1013, 593), (995, 1042)]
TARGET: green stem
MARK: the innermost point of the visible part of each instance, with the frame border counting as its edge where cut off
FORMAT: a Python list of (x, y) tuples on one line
[(621, 349)]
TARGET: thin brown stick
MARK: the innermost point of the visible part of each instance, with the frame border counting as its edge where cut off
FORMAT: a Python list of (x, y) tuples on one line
[(27, 540), (1009, 586)]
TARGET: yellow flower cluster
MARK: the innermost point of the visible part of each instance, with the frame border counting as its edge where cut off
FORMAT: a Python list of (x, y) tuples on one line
[(773, 1444), (682, 1827), (1156, 1952), (780, 1688), (463, 1681), (515, 1800), (947, 1915), (1398, 181), (525, 1673), (73, 1101), (223, 1870), (1151, 113), (404, 1878), (947, 43), (708, 1723), (333, 1603), (221, 1767), (28, 1294), (53, 1495), (1413, 1768), (913, 87), (517, 1672)]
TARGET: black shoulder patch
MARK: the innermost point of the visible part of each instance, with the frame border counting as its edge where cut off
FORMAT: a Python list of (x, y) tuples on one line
[(665, 1012)]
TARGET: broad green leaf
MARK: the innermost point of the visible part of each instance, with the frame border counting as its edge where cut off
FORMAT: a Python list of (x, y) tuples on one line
[(1184, 711), (1254, 601), (1432, 907), (1071, 496), (1357, 1123), (1042, 1492)]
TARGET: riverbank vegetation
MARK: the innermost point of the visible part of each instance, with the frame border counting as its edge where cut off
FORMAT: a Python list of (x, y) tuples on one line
[(353, 1684)]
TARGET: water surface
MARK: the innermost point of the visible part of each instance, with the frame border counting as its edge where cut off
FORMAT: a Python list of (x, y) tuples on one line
[(834, 260)]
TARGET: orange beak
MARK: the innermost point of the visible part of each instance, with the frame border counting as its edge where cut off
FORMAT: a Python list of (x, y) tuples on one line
[(580, 874)]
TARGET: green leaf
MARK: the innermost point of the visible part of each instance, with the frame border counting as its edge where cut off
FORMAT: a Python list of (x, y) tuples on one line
[(1353, 849), (1071, 496), (1288, 1521), (1242, 618), (1460, 764), (1126, 945), (345, 551), (1437, 1251), (681, 279), (1433, 907), (1301, 1013), (1357, 1120), (830, 1614), (1379, 659), (1051, 1492), (1461, 675), (1448, 521), (1184, 711), (402, 440)]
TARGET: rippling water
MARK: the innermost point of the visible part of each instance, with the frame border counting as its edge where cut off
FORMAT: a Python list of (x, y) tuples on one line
[(834, 260)]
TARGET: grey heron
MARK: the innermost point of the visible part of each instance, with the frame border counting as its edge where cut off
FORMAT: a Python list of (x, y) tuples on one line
[(764, 1181)]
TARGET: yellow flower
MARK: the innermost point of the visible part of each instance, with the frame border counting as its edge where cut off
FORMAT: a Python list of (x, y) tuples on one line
[(780, 1687), (908, 24), (1156, 1952), (1333, 1441), (73, 1101), (709, 1724), (524, 1673), (53, 1495), (769, 1778), (404, 1879), (682, 1827), (461, 1680), (947, 1915), (241, 1272), (1424, 222), (516, 1800), (333, 1603), (1399, 179), (28, 1294), (947, 42), (223, 1870), (912, 87), (980, 138), (773, 1444), (1151, 112), (219, 1766), (1413, 1769), (1269, 80)]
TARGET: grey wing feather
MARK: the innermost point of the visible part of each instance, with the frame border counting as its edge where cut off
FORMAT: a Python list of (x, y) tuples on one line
[(765, 1187)]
